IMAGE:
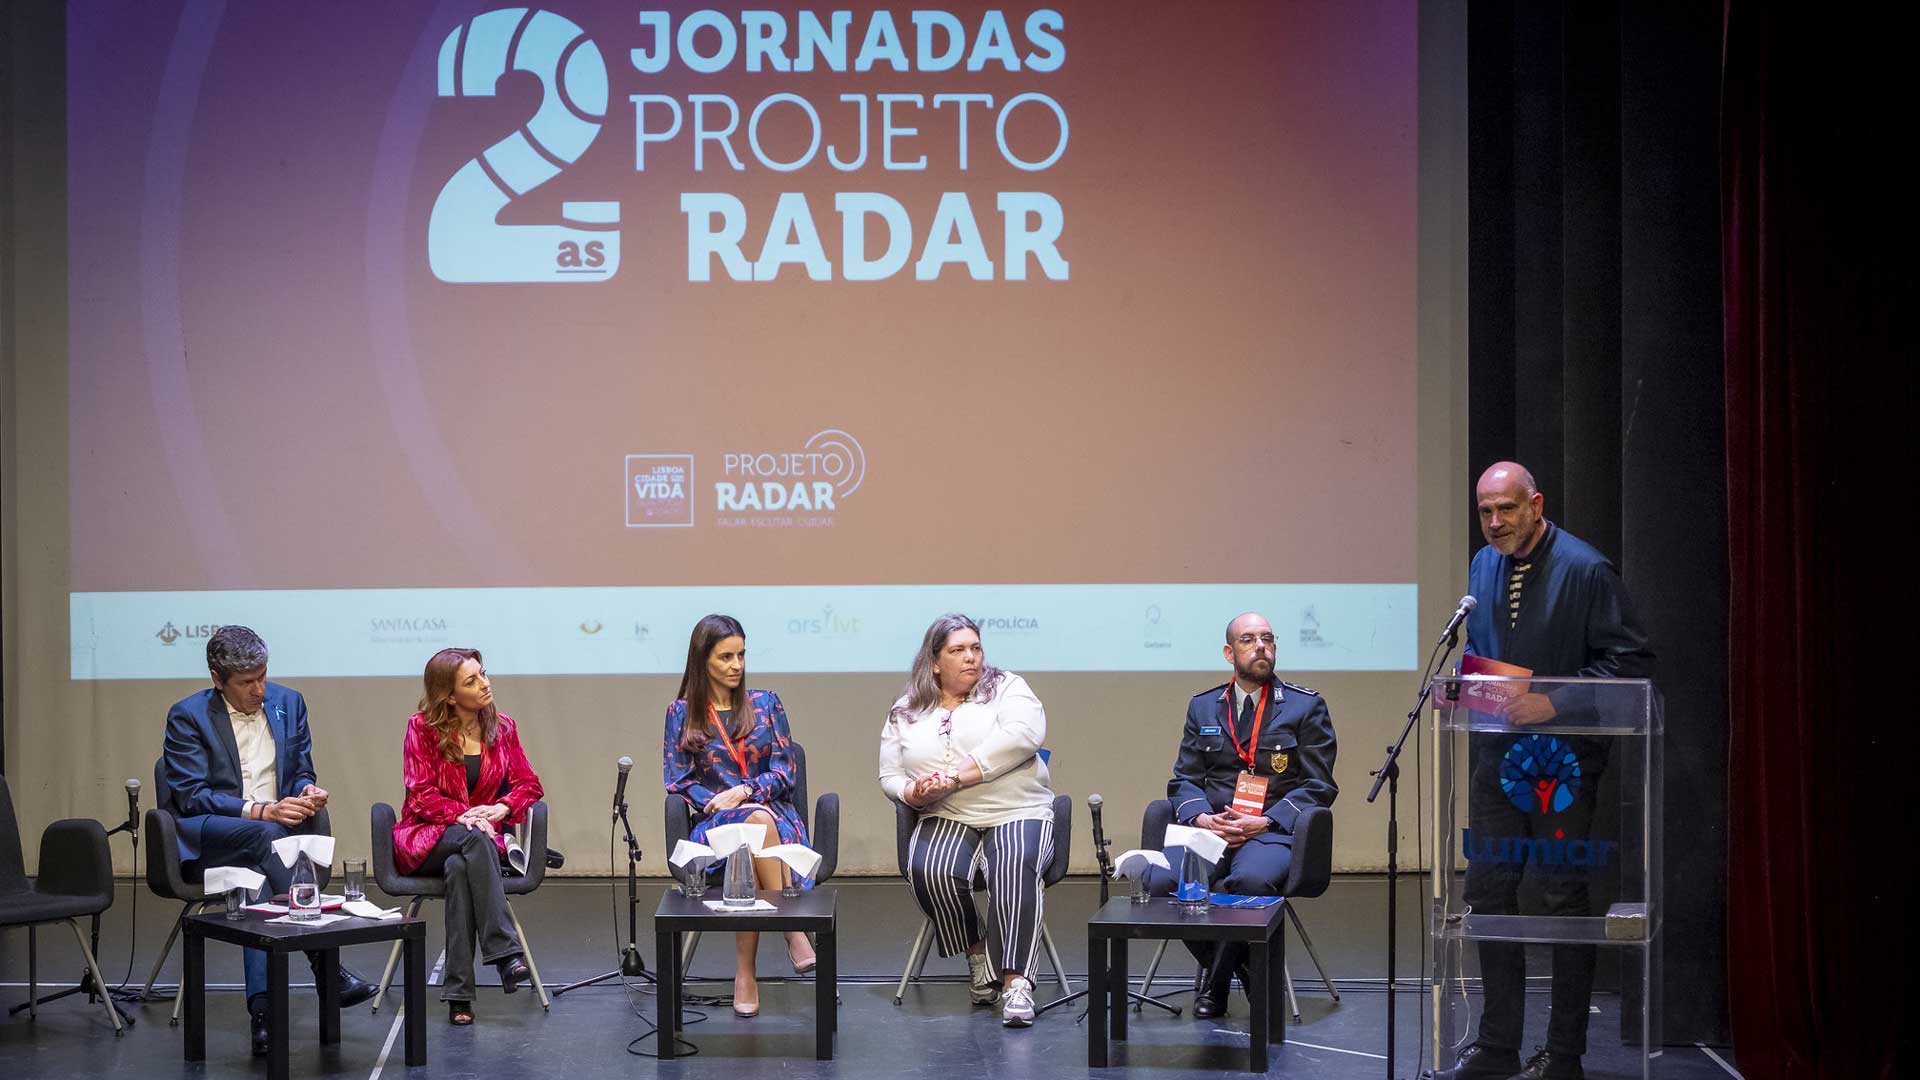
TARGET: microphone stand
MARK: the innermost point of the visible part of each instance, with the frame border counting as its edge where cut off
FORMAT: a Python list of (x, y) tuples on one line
[(1106, 873), (632, 966), (1389, 774)]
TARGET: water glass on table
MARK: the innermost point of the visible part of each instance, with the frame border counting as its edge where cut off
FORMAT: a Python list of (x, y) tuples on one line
[(355, 873)]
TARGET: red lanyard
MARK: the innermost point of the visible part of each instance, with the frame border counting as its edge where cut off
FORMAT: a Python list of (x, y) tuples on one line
[(1253, 737), (739, 757)]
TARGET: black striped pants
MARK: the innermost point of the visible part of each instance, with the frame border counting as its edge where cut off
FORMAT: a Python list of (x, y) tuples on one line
[(943, 857)]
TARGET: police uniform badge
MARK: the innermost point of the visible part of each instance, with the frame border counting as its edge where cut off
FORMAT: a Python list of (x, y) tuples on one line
[(1279, 761)]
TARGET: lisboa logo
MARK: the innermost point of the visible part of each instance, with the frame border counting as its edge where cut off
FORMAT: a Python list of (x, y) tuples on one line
[(1540, 774), (466, 243)]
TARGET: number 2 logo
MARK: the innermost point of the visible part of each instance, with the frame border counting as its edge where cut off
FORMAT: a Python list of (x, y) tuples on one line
[(465, 241)]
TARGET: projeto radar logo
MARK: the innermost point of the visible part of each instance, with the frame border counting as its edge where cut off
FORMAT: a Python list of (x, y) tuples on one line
[(466, 243), (1540, 774)]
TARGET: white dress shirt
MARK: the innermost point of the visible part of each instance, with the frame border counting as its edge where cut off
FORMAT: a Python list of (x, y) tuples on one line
[(259, 766), (1001, 734)]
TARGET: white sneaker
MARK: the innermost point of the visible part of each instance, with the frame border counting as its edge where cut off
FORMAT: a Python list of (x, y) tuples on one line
[(983, 988), (1016, 1005)]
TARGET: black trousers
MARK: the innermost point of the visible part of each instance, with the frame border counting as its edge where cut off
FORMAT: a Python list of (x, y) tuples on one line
[(476, 905), (1494, 888)]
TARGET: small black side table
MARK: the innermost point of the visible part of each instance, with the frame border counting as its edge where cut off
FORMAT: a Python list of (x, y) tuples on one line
[(278, 940), (810, 912), (1120, 920)]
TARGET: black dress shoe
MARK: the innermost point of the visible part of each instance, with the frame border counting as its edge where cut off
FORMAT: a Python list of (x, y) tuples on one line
[(262, 1032), (1479, 1062), (1547, 1065), (354, 989), (513, 972), (1210, 1001)]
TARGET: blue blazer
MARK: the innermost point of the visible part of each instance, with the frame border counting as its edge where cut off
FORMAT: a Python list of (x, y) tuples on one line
[(203, 760)]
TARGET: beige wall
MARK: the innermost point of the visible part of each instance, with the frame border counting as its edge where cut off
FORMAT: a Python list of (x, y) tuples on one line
[(70, 745)]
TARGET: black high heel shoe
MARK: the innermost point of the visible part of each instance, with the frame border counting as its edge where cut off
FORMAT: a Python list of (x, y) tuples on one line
[(460, 1013), (513, 972)]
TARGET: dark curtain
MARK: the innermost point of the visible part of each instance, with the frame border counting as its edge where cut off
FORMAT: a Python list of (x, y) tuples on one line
[(1819, 397)]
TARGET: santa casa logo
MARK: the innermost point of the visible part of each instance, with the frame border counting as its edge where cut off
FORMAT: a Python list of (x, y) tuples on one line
[(1540, 775), (466, 243)]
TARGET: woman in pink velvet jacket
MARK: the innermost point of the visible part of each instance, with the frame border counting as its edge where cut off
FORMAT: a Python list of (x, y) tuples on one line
[(466, 779)]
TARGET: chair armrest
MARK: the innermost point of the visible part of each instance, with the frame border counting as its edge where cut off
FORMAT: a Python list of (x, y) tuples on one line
[(826, 835), (536, 845), (1153, 824), (1062, 840), (75, 861), (1312, 868), (385, 874), (904, 819), (165, 876), (678, 816)]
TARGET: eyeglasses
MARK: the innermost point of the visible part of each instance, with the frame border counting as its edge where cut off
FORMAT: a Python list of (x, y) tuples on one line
[(1248, 641)]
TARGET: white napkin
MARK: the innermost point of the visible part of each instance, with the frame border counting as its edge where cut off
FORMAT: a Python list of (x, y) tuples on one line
[(723, 907), (724, 839), (219, 879), (318, 848), (801, 858), (686, 850), (1136, 862), (1207, 844), (367, 910)]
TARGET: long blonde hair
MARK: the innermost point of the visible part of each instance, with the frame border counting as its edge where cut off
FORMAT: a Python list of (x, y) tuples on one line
[(923, 684)]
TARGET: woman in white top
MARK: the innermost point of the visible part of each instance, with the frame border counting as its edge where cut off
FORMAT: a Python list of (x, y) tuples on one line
[(961, 746)]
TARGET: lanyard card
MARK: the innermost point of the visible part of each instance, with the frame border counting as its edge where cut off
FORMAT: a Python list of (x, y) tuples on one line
[(1250, 794)]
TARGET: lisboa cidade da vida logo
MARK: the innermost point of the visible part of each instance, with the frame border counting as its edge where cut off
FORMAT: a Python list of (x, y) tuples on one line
[(1540, 776), (910, 110), (802, 486)]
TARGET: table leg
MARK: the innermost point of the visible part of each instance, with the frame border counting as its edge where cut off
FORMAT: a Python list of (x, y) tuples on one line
[(279, 1016), (328, 987), (416, 1005), (1260, 1008), (1097, 1003), (193, 985), (1117, 987), (666, 964), (826, 983), (1276, 986)]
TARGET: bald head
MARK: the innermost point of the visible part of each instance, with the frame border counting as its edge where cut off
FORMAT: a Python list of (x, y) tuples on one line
[(1248, 622), (1511, 508), (1250, 649)]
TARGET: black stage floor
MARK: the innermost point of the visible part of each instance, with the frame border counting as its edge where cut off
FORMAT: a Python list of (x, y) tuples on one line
[(575, 926)]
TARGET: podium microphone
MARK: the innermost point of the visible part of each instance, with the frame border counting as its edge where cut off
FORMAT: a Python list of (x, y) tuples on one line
[(620, 786), (1467, 604)]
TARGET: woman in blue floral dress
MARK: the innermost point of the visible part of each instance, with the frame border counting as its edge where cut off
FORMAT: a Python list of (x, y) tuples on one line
[(727, 753)]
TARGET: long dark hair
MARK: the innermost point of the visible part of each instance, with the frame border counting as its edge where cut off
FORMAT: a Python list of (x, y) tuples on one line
[(437, 703), (923, 683), (696, 689)]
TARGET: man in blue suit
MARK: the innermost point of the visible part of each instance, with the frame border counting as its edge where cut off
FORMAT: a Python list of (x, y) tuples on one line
[(239, 772)]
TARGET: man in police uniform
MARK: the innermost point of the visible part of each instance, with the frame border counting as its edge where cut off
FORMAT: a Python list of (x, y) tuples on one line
[(1282, 735)]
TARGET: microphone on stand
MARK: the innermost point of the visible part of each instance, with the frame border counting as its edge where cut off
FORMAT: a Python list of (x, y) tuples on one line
[(1094, 802), (620, 786), (133, 806), (1467, 604)]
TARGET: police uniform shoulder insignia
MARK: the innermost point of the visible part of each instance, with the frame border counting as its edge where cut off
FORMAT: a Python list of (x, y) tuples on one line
[(1297, 686)]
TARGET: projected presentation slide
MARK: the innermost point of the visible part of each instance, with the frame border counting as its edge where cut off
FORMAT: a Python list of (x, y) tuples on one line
[(548, 330)]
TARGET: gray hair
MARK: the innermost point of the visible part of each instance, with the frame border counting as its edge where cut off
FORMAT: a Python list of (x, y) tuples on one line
[(234, 650), (923, 685)]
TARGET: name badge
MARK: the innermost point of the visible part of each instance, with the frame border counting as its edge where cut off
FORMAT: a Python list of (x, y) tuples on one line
[(1215, 730), (1250, 794)]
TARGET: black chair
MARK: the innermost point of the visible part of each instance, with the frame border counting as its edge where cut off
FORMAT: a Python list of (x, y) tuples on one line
[(904, 819), (823, 828), (421, 889), (1307, 877), (169, 880), (75, 878)]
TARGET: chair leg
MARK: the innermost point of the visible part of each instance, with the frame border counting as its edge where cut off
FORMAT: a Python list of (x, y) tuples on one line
[(393, 956), (526, 951), (686, 954), (1153, 968), (1293, 1003), (179, 997), (1059, 969), (915, 952), (1301, 929), (33, 974), (99, 980), (166, 950)]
